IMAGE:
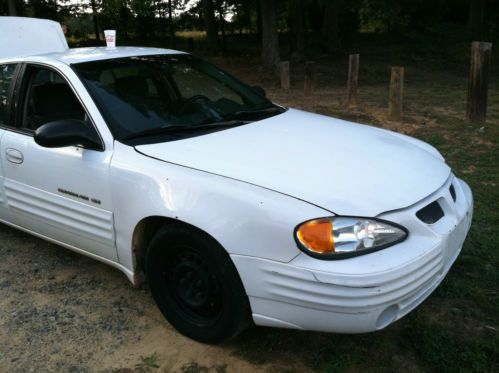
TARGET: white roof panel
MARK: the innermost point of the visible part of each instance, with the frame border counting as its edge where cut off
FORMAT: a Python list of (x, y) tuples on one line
[(21, 36)]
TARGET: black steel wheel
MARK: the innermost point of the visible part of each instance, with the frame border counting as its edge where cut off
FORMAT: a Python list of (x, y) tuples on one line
[(196, 285)]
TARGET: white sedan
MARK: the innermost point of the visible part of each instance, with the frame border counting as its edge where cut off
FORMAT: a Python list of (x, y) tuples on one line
[(233, 208)]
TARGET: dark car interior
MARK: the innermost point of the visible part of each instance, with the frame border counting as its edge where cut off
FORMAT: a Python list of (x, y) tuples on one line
[(49, 99)]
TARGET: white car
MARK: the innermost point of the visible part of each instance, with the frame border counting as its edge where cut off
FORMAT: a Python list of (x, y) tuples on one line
[(234, 208)]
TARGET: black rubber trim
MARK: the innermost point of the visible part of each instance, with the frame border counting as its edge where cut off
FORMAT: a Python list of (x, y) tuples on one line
[(340, 256), (6, 121), (452, 191)]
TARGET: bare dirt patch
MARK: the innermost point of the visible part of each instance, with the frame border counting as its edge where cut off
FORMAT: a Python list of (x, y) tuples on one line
[(60, 311)]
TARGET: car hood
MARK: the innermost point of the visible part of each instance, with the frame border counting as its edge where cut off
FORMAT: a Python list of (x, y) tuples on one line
[(344, 167)]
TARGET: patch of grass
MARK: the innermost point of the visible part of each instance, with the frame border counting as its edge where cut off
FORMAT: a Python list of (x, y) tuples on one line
[(197, 35), (194, 367), (442, 349), (147, 364)]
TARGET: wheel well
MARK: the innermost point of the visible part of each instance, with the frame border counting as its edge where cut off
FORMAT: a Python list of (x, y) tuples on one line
[(142, 235)]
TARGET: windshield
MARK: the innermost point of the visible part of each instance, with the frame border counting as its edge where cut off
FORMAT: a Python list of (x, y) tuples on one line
[(143, 95)]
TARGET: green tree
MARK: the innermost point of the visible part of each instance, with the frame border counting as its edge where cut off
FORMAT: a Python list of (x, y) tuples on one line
[(49, 9)]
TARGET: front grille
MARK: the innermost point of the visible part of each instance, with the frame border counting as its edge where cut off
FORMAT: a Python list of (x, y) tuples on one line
[(431, 213)]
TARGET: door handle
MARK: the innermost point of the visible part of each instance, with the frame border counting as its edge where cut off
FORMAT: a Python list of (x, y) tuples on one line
[(14, 156)]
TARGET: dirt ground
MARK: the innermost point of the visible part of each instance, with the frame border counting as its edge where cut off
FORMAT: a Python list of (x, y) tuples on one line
[(60, 311)]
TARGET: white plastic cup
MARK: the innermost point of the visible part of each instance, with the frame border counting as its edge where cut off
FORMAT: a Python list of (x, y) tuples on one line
[(110, 38)]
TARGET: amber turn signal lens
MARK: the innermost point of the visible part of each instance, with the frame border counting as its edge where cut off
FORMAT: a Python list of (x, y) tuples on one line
[(317, 236)]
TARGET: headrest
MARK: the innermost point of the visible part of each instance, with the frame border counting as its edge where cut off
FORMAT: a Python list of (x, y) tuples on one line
[(131, 86), (54, 98)]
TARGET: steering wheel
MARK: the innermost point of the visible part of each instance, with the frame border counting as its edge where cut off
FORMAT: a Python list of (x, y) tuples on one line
[(192, 100)]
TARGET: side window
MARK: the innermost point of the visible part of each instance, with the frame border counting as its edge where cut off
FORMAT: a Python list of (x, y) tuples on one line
[(49, 98), (6, 75)]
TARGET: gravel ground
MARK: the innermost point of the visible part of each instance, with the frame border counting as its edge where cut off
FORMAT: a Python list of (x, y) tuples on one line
[(60, 311)]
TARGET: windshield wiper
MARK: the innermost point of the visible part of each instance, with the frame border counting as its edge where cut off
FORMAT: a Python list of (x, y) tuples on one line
[(256, 113), (183, 128)]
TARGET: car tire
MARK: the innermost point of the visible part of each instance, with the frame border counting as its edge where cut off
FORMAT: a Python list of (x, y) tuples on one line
[(195, 284)]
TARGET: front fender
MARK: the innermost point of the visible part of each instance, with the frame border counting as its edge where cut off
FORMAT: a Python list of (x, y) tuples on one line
[(245, 219)]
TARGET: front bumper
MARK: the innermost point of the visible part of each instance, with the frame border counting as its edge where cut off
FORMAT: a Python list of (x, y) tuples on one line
[(368, 292)]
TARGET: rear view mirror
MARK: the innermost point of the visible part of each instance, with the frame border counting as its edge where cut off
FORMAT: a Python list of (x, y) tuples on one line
[(259, 90), (68, 132)]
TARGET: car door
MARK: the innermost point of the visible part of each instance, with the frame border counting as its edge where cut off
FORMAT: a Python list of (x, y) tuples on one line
[(7, 74), (60, 193)]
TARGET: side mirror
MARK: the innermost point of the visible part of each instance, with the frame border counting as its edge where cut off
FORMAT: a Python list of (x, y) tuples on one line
[(259, 90), (67, 132)]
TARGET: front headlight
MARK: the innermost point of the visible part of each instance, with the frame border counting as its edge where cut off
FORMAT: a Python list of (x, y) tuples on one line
[(341, 237)]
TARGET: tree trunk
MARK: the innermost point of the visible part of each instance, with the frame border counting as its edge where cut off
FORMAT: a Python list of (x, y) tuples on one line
[(170, 20), (330, 28), (270, 36), (476, 19), (239, 20), (94, 16), (476, 108), (285, 80), (222, 26), (353, 79), (124, 18), (297, 31), (258, 18), (211, 26), (396, 93), (308, 86), (12, 8)]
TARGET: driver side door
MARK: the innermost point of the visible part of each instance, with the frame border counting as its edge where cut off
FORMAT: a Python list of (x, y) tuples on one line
[(59, 193)]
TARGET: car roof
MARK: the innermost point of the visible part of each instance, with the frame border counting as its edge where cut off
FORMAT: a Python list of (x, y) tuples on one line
[(78, 55)]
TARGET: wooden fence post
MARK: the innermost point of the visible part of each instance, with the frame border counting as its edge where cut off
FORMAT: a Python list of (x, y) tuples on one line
[(309, 77), (476, 107), (353, 79), (285, 84), (396, 93)]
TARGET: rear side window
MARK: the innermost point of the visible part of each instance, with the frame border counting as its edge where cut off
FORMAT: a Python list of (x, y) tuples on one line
[(6, 75)]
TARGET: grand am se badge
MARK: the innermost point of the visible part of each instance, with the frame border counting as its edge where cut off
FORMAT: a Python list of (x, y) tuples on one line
[(80, 196)]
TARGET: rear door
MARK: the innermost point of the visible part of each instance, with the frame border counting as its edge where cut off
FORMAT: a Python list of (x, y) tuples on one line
[(61, 193)]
